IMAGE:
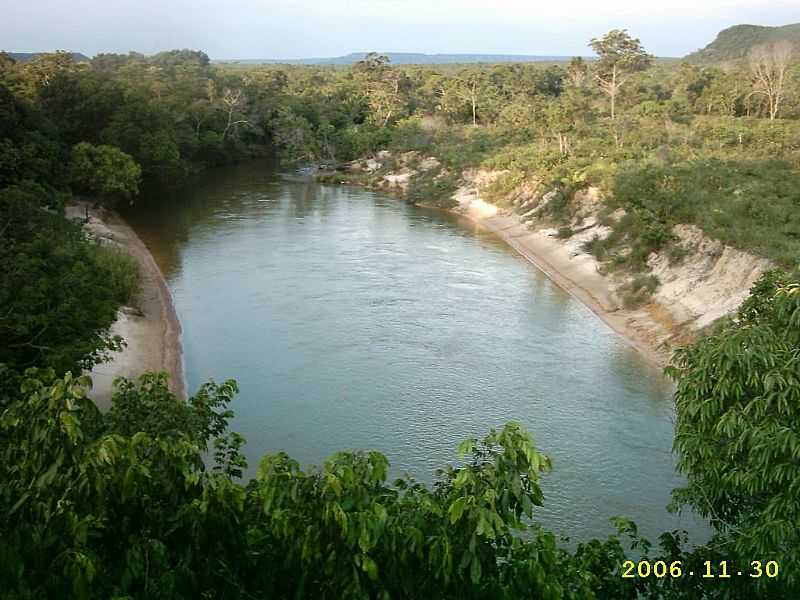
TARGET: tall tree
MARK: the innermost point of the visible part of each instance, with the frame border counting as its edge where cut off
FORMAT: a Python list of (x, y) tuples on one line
[(59, 292), (620, 55), (769, 64), (384, 87), (232, 100)]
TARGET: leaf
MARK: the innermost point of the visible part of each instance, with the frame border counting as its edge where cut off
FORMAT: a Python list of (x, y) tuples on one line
[(467, 447), (457, 509), (369, 566), (46, 478), (475, 570)]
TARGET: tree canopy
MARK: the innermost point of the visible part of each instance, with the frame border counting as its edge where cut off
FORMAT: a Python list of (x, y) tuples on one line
[(738, 427), (104, 170)]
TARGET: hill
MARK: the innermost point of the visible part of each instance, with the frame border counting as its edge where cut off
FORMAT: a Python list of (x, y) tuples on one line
[(735, 42), (26, 56), (406, 58)]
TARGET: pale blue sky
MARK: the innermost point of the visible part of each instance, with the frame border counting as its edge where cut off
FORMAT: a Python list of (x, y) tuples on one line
[(312, 28)]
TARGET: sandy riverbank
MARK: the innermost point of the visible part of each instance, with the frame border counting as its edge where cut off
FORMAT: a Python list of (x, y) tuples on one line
[(150, 328), (710, 281), (647, 329), (578, 276)]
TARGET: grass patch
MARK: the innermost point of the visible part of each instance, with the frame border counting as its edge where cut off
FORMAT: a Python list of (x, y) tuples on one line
[(750, 205), (121, 272)]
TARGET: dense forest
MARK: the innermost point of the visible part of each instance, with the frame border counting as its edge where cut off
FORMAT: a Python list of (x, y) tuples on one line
[(147, 500)]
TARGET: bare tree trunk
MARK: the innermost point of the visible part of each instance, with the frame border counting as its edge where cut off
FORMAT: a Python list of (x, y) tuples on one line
[(769, 64), (611, 88), (613, 92), (563, 144), (232, 100), (474, 105)]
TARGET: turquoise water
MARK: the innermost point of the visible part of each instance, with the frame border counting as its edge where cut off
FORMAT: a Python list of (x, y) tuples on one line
[(351, 320)]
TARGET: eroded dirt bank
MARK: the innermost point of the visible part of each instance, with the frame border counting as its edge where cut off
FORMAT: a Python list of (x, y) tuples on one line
[(709, 282)]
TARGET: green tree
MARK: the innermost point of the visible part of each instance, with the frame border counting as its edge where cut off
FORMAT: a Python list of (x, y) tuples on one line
[(39, 72), (619, 55), (738, 427), (104, 170), (384, 87), (560, 119), (577, 71), (59, 292)]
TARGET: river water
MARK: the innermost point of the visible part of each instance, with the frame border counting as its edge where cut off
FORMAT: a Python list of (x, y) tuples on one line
[(351, 320)]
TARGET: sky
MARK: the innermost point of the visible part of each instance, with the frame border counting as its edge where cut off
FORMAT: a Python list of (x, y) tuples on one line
[(231, 29)]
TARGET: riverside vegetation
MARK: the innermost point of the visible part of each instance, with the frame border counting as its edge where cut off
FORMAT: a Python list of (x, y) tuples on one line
[(146, 501)]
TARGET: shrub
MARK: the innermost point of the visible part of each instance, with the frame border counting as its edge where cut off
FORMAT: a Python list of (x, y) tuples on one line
[(565, 232), (639, 290), (122, 272)]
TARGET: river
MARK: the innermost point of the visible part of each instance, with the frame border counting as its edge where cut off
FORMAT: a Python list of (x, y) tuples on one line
[(352, 320)]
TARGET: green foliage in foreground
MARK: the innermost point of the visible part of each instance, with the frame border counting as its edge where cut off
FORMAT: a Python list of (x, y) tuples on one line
[(123, 505), (738, 427), (147, 501)]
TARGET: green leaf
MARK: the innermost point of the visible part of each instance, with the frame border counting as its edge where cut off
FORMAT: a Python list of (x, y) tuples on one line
[(457, 509)]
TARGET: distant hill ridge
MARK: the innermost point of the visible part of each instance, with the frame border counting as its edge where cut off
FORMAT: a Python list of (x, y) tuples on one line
[(735, 43), (26, 56), (406, 58)]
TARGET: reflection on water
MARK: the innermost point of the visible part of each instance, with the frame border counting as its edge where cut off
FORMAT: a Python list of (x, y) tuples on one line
[(352, 320)]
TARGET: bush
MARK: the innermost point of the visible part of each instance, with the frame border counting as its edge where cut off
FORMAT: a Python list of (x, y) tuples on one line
[(434, 188), (750, 205), (565, 232), (639, 290), (596, 247), (122, 272)]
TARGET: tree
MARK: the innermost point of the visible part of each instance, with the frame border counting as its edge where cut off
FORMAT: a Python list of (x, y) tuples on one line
[(768, 65), (38, 72), (384, 87), (371, 63), (232, 100), (468, 90), (128, 504), (59, 292), (620, 55), (104, 170), (738, 427), (577, 71), (295, 135), (146, 131), (6, 62), (560, 119), (723, 95)]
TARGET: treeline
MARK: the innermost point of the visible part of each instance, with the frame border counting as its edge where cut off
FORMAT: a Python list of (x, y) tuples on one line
[(719, 148), (172, 113)]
